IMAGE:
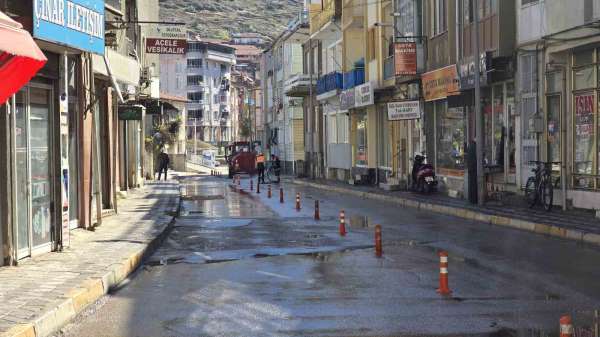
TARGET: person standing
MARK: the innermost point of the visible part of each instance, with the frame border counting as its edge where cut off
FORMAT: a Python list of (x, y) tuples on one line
[(276, 167), (260, 167), (163, 164)]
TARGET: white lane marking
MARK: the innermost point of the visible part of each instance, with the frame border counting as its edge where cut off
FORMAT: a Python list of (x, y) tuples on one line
[(274, 275)]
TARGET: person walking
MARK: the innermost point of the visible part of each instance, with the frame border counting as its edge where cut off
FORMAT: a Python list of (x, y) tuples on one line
[(163, 164), (260, 167)]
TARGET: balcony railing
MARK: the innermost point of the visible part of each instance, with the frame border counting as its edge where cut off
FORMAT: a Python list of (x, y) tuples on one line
[(354, 78), (321, 16), (329, 82), (389, 68)]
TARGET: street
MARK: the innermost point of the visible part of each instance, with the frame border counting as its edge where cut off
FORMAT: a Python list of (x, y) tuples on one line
[(241, 264)]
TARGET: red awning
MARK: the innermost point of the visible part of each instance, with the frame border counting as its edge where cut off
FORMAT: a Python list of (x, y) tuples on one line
[(20, 57)]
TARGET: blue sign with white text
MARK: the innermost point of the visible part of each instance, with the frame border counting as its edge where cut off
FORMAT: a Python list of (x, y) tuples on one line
[(74, 23)]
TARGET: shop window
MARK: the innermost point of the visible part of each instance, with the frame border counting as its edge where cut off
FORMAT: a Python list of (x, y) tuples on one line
[(385, 144), (584, 78), (512, 126), (450, 137), (583, 58), (360, 156), (553, 132), (585, 106)]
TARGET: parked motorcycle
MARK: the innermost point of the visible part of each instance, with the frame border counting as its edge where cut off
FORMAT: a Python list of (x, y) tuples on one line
[(423, 176)]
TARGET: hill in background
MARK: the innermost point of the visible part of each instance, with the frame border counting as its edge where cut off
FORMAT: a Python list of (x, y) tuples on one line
[(219, 18)]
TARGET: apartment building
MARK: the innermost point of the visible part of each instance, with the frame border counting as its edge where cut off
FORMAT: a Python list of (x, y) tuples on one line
[(203, 74), (284, 116)]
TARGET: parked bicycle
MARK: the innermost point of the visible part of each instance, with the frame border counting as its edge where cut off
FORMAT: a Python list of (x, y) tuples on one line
[(272, 173), (540, 187)]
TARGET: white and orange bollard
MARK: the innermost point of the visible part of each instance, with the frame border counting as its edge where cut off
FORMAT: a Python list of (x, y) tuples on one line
[(317, 212), (444, 289), (298, 207), (342, 223), (378, 241), (269, 192), (251, 184), (281, 195), (566, 326), (258, 187)]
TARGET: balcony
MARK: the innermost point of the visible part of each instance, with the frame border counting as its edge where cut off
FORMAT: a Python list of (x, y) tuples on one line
[(389, 68), (320, 16), (196, 87), (330, 82), (354, 78), (298, 85), (301, 20)]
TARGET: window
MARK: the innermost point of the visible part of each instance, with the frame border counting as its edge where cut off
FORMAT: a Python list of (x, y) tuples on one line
[(439, 22), (223, 68), (193, 114), (195, 80), (385, 144), (371, 44), (194, 63), (408, 21), (195, 47), (527, 2), (195, 96), (450, 136), (360, 151), (585, 120)]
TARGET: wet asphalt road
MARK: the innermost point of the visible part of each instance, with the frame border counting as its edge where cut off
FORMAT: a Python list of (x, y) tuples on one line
[(240, 264)]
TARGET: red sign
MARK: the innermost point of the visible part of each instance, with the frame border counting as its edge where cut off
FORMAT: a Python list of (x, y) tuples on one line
[(405, 54), (166, 46)]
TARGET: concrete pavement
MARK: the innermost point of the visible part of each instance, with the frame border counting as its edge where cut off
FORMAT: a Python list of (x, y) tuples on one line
[(43, 293)]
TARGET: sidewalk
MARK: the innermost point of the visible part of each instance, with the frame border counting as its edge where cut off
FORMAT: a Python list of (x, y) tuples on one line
[(43, 293), (576, 225)]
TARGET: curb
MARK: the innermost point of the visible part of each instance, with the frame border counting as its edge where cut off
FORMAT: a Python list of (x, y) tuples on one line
[(539, 228), (80, 297)]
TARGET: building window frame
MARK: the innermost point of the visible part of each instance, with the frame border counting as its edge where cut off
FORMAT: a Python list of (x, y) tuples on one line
[(585, 180)]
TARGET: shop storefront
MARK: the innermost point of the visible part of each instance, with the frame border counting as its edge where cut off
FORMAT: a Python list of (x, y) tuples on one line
[(445, 129), (44, 129), (499, 117), (363, 124), (572, 124)]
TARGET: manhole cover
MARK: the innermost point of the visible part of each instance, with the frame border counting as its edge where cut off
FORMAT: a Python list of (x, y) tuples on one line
[(202, 197)]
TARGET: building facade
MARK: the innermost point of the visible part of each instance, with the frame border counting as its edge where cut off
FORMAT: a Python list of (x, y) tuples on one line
[(204, 75), (284, 126), (66, 152)]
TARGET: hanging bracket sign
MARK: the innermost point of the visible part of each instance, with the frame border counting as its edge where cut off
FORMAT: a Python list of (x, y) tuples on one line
[(167, 40)]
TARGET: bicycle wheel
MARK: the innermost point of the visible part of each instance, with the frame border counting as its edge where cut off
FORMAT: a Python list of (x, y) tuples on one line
[(531, 194), (547, 191), (269, 176)]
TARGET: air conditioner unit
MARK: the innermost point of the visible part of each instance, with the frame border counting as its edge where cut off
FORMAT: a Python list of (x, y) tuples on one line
[(147, 73)]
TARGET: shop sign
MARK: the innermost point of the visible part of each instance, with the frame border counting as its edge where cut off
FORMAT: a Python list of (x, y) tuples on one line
[(131, 112), (466, 71), (364, 95), (398, 111), (167, 40), (440, 83), (347, 99), (584, 116), (405, 58), (74, 23)]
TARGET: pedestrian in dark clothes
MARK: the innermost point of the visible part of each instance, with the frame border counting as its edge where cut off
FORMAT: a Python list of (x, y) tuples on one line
[(163, 164)]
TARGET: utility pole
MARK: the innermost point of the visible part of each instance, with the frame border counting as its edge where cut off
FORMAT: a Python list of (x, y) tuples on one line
[(478, 112)]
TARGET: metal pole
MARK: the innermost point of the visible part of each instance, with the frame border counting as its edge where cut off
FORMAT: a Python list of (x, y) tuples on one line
[(310, 100), (478, 112)]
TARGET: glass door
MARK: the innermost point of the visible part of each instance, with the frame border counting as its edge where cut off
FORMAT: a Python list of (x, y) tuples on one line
[(33, 170)]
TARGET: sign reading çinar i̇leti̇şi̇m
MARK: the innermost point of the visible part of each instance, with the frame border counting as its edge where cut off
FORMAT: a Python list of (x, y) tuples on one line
[(167, 40), (74, 23)]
